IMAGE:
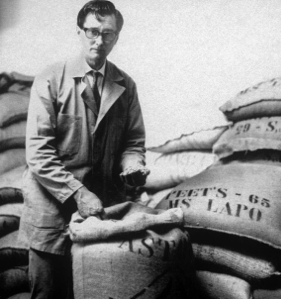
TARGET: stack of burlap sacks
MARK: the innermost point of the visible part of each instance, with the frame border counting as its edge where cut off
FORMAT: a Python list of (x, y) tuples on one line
[(14, 99), (232, 210), (226, 180), (177, 160)]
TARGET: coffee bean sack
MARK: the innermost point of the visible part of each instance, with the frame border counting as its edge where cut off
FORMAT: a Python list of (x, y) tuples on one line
[(201, 140), (238, 199), (21, 296), (152, 200), (13, 281), (226, 260), (94, 229), (256, 157), (11, 209), (12, 252), (8, 224), (257, 263), (10, 186), (10, 214), (13, 136), (171, 169), (274, 293), (250, 135), (221, 286), (262, 99), (144, 265), (11, 158), (13, 108)]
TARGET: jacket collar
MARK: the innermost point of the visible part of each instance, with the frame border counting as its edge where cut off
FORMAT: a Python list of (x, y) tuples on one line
[(78, 68)]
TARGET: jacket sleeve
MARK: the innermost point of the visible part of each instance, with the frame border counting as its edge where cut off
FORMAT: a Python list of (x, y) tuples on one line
[(134, 145), (41, 153)]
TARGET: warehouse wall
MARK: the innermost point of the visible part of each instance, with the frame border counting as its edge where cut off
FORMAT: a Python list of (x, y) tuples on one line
[(187, 56)]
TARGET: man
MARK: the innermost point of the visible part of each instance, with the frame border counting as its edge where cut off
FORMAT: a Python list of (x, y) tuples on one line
[(85, 138)]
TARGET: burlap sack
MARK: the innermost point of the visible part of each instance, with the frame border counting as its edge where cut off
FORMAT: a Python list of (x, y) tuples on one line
[(240, 199), (10, 186), (94, 229), (11, 158), (267, 293), (122, 258), (169, 170), (147, 265), (250, 135), (263, 99), (13, 136), (13, 108), (154, 198), (12, 253), (13, 281), (257, 157), (255, 262), (21, 296), (221, 286), (9, 217), (201, 140), (8, 224), (11, 209), (226, 260)]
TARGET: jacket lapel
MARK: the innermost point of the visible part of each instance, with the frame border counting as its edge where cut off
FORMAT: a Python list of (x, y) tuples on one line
[(111, 91), (76, 69)]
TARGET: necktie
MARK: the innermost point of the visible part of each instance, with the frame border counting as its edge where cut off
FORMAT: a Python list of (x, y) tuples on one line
[(96, 90)]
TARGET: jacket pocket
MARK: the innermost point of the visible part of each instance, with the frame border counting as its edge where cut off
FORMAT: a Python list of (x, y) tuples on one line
[(69, 130), (43, 220)]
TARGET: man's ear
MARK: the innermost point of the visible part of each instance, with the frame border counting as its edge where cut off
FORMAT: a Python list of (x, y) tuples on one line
[(78, 30), (117, 37)]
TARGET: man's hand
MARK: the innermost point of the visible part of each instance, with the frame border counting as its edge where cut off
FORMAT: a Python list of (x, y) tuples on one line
[(88, 203), (135, 176)]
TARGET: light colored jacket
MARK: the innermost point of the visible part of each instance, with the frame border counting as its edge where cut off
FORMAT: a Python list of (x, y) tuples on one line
[(68, 145)]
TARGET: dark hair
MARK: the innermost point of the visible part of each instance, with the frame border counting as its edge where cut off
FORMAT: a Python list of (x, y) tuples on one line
[(99, 8)]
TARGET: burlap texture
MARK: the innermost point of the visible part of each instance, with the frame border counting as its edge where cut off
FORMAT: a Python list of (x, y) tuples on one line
[(12, 253), (144, 266), (201, 140), (250, 135), (137, 253), (21, 296), (8, 224), (11, 159), (240, 199), (262, 99), (13, 136), (221, 286), (234, 262), (13, 281), (13, 108), (122, 219), (171, 169), (10, 186)]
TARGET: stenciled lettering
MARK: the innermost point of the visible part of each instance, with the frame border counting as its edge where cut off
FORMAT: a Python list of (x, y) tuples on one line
[(222, 193), (236, 210), (271, 126), (149, 247), (255, 214)]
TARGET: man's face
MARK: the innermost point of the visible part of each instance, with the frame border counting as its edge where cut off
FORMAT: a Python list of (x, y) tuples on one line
[(96, 50)]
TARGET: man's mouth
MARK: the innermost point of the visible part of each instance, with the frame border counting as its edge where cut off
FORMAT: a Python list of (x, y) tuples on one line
[(96, 50)]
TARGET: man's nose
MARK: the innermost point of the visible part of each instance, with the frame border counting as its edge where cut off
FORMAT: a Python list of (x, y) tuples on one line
[(99, 40)]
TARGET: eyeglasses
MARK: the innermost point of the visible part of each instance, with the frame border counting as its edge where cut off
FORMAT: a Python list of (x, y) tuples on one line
[(94, 33)]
